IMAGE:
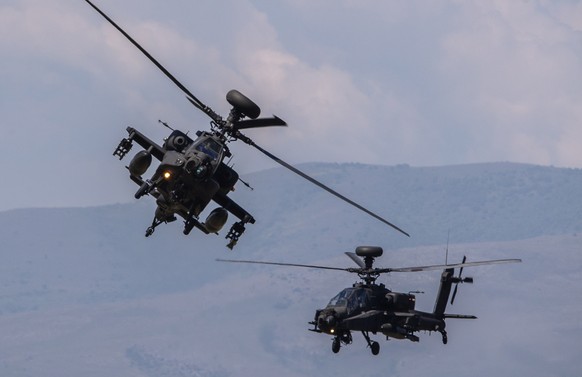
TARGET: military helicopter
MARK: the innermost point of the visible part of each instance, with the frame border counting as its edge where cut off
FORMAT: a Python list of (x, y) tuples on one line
[(192, 173), (372, 308)]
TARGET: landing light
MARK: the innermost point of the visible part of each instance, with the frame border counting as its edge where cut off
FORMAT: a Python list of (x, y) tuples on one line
[(167, 175), (332, 331)]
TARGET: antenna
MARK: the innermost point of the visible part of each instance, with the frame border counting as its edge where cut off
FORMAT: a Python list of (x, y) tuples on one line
[(245, 183), (447, 250), (165, 124)]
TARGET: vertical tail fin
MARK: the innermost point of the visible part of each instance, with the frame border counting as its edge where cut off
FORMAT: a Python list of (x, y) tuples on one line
[(444, 292)]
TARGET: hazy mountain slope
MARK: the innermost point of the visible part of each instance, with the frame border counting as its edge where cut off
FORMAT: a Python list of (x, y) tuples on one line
[(84, 293), (254, 322), (481, 202), (57, 253)]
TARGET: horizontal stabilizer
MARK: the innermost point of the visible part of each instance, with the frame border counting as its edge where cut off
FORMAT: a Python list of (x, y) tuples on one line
[(460, 316)]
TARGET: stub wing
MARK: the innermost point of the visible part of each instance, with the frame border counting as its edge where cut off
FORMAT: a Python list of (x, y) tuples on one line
[(147, 144), (232, 207)]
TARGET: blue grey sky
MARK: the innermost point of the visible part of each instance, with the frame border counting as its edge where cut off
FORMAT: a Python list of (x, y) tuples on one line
[(381, 82)]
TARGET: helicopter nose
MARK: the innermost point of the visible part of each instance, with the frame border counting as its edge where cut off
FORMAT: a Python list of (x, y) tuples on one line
[(331, 321), (192, 163), (326, 322), (196, 167)]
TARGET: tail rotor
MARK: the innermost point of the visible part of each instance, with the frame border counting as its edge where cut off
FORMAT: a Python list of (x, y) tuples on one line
[(460, 279)]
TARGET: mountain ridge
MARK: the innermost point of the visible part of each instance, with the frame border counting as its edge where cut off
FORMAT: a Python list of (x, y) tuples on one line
[(83, 291)]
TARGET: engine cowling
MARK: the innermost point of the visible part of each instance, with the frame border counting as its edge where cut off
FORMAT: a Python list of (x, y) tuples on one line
[(177, 141), (401, 302)]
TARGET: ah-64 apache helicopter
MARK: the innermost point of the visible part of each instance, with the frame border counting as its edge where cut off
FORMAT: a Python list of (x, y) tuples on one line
[(372, 308), (191, 172)]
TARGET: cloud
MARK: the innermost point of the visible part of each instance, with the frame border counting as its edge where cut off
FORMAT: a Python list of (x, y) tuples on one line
[(425, 83), (516, 70)]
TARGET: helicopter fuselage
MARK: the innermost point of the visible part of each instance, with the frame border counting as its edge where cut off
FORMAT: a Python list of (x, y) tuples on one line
[(373, 308), (190, 174)]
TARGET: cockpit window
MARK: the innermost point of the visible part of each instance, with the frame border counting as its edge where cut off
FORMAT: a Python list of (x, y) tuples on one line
[(341, 299), (351, 299), (361, 298), (210, 147)]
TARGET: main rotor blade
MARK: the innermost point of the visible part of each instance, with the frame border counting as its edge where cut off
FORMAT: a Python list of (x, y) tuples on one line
[(319, 184), (356, 259), (261, 122), (461, 270), (282, 264), (442, 266), (191, 96)]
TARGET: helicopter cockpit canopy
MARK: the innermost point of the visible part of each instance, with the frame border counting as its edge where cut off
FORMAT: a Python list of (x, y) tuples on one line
[(204, 156), (209, 147), (350, 298)]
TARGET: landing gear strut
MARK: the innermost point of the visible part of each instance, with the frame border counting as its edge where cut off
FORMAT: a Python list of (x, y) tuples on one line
[(150, 230), (374, 346), (345, 338)]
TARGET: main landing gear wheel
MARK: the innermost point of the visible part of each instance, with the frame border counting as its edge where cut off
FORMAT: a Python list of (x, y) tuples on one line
[(335, 345), (375, 347), (149, 231)]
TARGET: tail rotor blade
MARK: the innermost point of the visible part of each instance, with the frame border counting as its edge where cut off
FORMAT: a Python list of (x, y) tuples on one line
[(454, 294), (460, 280)]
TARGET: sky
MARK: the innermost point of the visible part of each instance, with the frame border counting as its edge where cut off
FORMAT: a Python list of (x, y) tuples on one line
[(425, 83)]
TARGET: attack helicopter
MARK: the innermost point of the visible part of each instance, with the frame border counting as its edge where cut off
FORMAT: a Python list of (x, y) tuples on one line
[(372, 308), (192, 172)]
